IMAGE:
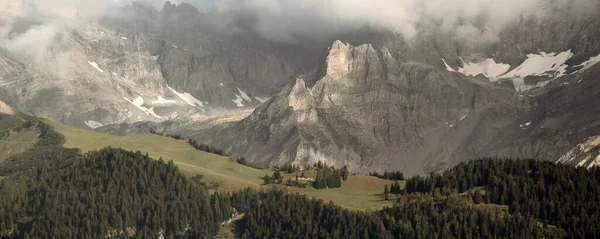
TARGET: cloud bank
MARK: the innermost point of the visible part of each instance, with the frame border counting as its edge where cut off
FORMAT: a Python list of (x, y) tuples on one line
[(280, 20), (285, 19)]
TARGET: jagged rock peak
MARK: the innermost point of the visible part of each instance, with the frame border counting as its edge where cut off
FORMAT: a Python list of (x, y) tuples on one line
[(341, 56), (299, 97), (344, 59)]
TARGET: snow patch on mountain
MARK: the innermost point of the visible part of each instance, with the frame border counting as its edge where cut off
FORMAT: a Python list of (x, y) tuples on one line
[(521, 86), (488, 68), (95, 65), (589, 63), (261, 99), (238, 101), (187, 97), (525, 125), (448, 67), (162, 100), (139, 102), (244, 95), (93, 124), (551, 65), (542, 64)]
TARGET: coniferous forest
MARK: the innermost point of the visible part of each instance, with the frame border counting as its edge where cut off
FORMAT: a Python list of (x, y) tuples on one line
[(53, 192)]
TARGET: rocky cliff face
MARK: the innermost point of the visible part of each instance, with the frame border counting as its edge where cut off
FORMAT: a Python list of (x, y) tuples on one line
[(371, 112), (565, 123), (137, 64), (225, 69), (90, 77), (413, 105), (365, 109)]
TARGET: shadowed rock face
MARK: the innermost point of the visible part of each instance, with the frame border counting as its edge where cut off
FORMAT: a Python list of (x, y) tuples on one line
[(372, 112), (566, 116), (102, 69), (213, 65), (369, 111)]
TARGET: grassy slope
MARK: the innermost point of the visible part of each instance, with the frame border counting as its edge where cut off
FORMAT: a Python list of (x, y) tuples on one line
[(16, 142), (8, 122), (359, 192), (229, 174)]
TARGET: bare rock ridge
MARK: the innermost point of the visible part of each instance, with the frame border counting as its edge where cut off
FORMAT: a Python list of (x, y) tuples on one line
[(225, 70), (149, 66), (103, 71), (389, 104), (372, 112)]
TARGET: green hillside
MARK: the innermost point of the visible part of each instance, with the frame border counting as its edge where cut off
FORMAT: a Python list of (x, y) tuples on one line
[(13, 141), (358, 192)]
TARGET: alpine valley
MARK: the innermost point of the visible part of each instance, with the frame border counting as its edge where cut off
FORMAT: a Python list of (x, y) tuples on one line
[(299, 119)]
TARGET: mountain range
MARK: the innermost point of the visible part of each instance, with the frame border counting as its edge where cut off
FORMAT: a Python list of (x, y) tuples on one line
[(363, 97)]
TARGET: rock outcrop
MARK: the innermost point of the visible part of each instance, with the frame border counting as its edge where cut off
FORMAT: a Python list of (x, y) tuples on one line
[(371, 112), (90, 77)]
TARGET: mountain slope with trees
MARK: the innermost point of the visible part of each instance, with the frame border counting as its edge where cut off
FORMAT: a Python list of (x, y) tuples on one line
[(53, 192)]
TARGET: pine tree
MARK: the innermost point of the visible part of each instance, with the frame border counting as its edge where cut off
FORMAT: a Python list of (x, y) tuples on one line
[(386, 193), (267, 179), (344, 172)]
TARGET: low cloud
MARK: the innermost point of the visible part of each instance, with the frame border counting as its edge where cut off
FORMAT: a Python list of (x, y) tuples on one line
[(279, 20), (46, 45), (287, 19)]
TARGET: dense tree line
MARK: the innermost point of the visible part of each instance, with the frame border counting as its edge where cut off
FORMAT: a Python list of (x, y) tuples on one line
[(394, 188), (113, 192), (422, 216), (197, 145), (277, 214), (206, 148), (276, 178), (394, 176), (328, 178), (53, 192), (556, 194), (288, 168)]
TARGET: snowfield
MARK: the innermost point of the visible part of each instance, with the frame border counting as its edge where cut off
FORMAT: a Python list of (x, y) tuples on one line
[(543, 64), (95, 65), (589, 63), (238, 101), (93, 124), (261, 99), (161, 100), (489, 68), (448, 68), (138, 102), (187, 98), (551, 65), (244, 95)]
